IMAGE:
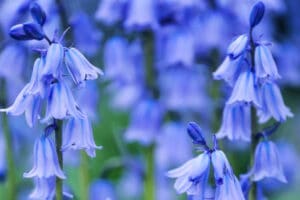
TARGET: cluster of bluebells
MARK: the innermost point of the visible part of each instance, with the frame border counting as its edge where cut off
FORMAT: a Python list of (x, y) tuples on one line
[(192, 177), (249, 68), (48, 99)]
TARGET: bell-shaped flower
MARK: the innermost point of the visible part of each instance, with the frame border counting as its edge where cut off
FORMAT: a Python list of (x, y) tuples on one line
[(238, 46), (36, 85), (236, 123), (25, 103), (45, 160), (265, 66), (61, 103), (267, 162), (44, 188), (79, 67), (141, 15), (245, 90), (192, 176), (228, 70), (110, 11), (145, 122), (229, 189), (78, 134), (53, 61), (221, 165), (272, 104)]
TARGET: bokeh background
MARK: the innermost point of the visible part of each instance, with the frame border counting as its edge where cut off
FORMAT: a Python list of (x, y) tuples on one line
[(158, 57)]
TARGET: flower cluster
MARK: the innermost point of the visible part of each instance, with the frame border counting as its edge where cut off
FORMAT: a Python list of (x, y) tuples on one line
[(48, 98)]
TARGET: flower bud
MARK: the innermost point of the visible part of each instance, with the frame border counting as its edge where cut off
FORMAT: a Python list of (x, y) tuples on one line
[(34, 31), (257, 14), (37, 13)]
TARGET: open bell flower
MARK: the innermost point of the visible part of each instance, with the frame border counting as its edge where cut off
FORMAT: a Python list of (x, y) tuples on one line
[(45, 159), (238, 46)]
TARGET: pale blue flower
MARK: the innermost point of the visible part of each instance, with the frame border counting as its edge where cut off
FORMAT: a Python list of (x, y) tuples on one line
[(236, 123), (102, 190), (79, 67), (44, 188), (221, 165), (238, 46), (265, 66), (267, 162), (53, 61), (45, 161), (192, 176), (78, 134), (272, 104), (245, 90), (110, 11)]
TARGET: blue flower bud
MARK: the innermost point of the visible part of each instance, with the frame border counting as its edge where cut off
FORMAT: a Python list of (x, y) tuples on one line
[(34, 31), (257, 14), (17, 32), (37, 13), (195, 133)]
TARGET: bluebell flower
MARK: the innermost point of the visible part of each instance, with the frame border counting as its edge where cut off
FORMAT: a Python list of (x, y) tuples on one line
[(245, 90), (267, 162), (265, 66), (272, 104), (44, 188), (110, 11), (221, 165), (53, 61), (86, 36), (102, 189), (229, 189), (61, 103), (238, 46), (79, 67), (45, 160), (192, 176), (229, 70), (78, 134), (236, 123), (141, 15), (146, 119)]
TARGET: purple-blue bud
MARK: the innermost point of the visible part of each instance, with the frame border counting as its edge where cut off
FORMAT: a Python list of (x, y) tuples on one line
[(34, 31), (17, 32), (257, 14), (195, 133), (37, 13)]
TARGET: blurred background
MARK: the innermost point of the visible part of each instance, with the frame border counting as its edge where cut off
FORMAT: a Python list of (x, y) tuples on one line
[(158, 57)]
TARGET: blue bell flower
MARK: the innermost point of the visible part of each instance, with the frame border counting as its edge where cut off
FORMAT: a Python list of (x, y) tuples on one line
[(78, 134), (110, 11), (267, 162), (192, 176), (245, 90), (238, 46), (272, 104), (236, 123), (265, 66), (53, 61), (44, 188), (102, 189), (79, 67), (45, 160)]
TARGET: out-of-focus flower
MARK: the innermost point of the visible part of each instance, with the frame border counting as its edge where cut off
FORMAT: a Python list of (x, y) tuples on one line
[(110, 11), (102, 190), (272, 104), (45, 160), (267, 162)]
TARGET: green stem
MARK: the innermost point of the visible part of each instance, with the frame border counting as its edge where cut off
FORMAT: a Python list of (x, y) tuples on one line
[(58, 141), (149, 181), (11, 174), (84, 176)]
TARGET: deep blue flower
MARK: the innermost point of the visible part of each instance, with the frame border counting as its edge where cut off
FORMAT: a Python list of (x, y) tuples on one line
[(229, 70), (78, 134), (238, 46), (236, 123), (53, 61), (272, 104), (45, 161), (192, 176), (141, 15), (61, 103), (265, 66), (110, 11), (267, 162), (145, 122), (245, 90), (79, 67)]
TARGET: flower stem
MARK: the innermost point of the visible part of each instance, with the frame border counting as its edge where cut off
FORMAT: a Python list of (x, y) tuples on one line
[(84, 176), (149, 181), (11, 175), (58, 141)]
